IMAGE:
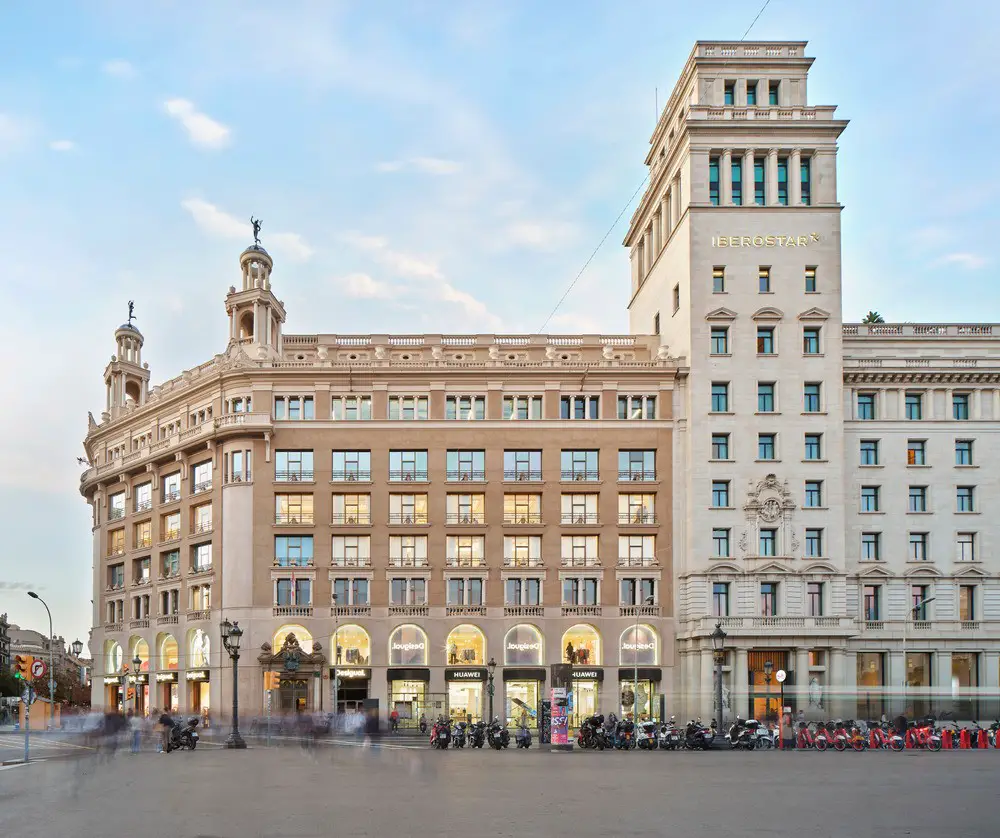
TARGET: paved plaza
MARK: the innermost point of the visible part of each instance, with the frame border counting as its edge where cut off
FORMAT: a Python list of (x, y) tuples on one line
[(338, 790)]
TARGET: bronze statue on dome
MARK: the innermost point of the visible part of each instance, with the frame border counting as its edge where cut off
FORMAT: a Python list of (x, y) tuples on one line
[(131, 311), (256, 222)]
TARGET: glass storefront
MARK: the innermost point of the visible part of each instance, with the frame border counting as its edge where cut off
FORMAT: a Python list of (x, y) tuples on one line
[(584, 698), (166, 692), (871, 686), (466, 646), (293, 695), (409, 699), (353, 646), (918, 684), (408, 647), (523, 646), (199, 697), (522, 702), (465, 701), (638, 647), (355, 682), (168, 653), (765, 698), (641, 703), (581, 646), (964, 680)]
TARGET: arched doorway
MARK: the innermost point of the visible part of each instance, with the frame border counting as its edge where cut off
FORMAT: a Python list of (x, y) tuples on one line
[(113, 688), (352, 655), (299, 661), (523, 674), (639, 673), (465, 674), (581, 647), (137, 695), (166, 694)]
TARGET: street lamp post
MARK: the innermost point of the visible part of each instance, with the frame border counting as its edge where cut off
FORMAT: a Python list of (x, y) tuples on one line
[(918, 606), (635, 660), (768, 670), (52, 674), (336, 655), (719, 646), (136, 663), (231, 636), (491, 668)]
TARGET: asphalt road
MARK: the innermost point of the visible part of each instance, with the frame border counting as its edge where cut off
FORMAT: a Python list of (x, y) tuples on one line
[(347, 791)]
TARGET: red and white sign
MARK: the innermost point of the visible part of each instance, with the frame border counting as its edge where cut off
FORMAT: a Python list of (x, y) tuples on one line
[(38, 668)]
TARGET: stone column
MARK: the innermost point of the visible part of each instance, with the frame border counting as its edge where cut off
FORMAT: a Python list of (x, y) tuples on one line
[(894, 682), (726, 179), (800, 701), (748, 183), (738, 702), (665, 227), (976, 408), (795, 178), (835, 682), (772, 177), (256, 321), (706, 686)]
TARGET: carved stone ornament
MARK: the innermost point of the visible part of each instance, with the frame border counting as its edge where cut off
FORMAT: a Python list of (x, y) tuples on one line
[(291, 653), (770, 510)]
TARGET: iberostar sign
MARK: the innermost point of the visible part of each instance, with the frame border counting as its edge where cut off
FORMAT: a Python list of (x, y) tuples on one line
[(764, 241)]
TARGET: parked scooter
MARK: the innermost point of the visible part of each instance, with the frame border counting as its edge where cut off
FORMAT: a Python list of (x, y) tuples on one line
[(184, 737), (523, 736), (591, 733), (625, 735), (497, 735), (458, 735), (669, 735), (697, 737), (742, 734), (646, 738), (441, 734), (477, 734)]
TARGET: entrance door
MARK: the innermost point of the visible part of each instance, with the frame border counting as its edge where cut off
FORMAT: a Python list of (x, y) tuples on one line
[(352, 694), (765, 699), (584, 701), (293, 696), (465, 700)]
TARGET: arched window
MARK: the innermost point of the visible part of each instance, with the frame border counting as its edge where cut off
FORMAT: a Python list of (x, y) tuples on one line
[(581, 646), (304, 638), (408, 646), (523, 647), (639, 646), (168, 652), (466, 646), (199, 649), (112, 657), (352, 646), (139, 647)]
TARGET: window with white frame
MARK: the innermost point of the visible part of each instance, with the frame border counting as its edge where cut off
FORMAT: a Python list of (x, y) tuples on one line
[(356, 550), (408, 407), (522, 550), (522, 407), (580, 407), (201, 557), (201, 476), (966, 547), (351, 408), (143, 497), (636, 407), (465, 407)]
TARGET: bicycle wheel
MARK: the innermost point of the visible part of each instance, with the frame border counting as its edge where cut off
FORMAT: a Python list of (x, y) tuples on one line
[(858, 744), (895, 744), (820, 744), (840, 744), (933, 743)]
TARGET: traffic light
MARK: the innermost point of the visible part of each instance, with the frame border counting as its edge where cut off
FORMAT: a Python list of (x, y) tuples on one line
[(272, 680), (22, 666)]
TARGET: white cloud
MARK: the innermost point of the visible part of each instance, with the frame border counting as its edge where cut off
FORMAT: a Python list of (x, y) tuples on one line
[(404, 264), (119, 68), (361, 286), (14, 132), (62, 145), (202, 130), (423, 165), (219, 223), (971, 261)]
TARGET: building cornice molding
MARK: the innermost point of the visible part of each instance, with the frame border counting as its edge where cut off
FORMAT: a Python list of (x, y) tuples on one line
[(912, 376)]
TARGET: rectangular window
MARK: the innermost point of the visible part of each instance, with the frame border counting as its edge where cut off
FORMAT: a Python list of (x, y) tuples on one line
[(637, 407), (966, 547), (411, 550), (713, 181), (751, 92), (766, 447), (522, 591), (768, 599), (871, 546), (814, 494), (293, 466), (116, 542), (293, 550), (170, 564), (522, 465), (294, 407), (814, 598), (918, 547), (637, 465), (814, 447), (806, 187), (293, 509), (967, 602), (201, 557), (579, 550), (814, 543), (919, 594), (960, 406), (351, 466), (811, 280), (142, 533), (916, 452), (407, 465), (352, 509), (580, 591), (408, 407), (866, 406), (407, 509), (811, 397), (966, 499), (677, 298), (356, 550), (522, 550), (720, 543), (466, 509), (116, 503), (201, 518), (522, 407), (143, 497), (465, 407), (869, 452), (720, 396), (656, 323), (729, 95), (522, 509), (465, 466), (918, 499), (810, 340), (171, 489), (737, 181), (632, 508), (579, 508), (772, 92), (759, 181), (963, 452), (873, 603), (633, 591), (783, 181), (720, 599), (116, 576), (720, 446), (720, 494), (764, 280), (914, 405), (201, 477), (579, 465), (351, 408), (765, 397), (580, 407), (765, 340), (768, 542), (720, 340), (718, 280), (170, 526), (870, 498)]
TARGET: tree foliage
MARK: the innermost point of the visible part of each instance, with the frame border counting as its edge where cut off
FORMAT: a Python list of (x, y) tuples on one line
[(873, 317)]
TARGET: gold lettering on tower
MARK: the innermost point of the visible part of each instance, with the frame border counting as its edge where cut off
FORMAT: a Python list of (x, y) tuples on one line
[(765, 241)]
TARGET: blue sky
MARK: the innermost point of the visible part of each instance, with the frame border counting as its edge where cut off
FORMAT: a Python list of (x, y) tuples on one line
[(419, 166)]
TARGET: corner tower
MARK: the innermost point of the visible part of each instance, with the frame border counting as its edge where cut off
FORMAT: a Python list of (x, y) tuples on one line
[(255, 314), (126, 377)]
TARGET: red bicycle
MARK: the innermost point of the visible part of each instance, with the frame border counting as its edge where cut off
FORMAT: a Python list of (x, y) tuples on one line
[(923, 735), (881, 738), (805, 739)]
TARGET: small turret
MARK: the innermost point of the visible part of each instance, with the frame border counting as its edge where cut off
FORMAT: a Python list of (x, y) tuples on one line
[(126, 377), (255, 314)]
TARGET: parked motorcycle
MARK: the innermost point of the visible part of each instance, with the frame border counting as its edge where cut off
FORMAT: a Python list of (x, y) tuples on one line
[(183, 736), (625, 735), (697, 737), (458, 735), (669, 735), (497, 734), (743, 734), (441, 734), (477, 734), (591, 733), (646, 738), (523, 737)]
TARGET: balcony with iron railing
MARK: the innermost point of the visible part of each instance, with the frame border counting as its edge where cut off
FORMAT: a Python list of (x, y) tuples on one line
[(522, 476), (292, 611), (523, 561), (408, 519), (201, 526), (301, 561), (637, 518), (351, 476), (410, 475), (170, 497), (638, 561), (408, 561), (116, 513), (637, 476), (573, 518), (465, 518), (522, 519), (581, 561), (579, 475), (408, 610), (297, 476), (465, 561), (523, 611), (204, 486), (293, 518), (351, 561), (143, 506), (581, 610), (351, 519), (171, 535), (143, 543), (114, 552), (465, 476)]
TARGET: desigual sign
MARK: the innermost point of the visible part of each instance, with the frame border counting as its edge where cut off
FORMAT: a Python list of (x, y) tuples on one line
[(407, 647), (638, 647), (523, 647), (350, 673), (765, 241)]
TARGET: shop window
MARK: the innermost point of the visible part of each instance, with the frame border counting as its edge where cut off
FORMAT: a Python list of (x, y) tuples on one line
[(200, 648), (408, 646), (141, 648), (466, 646), (523, 647), (353, 646), (639, 646), (304, 638), (168, 653), (113, 657), (581, 646)]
